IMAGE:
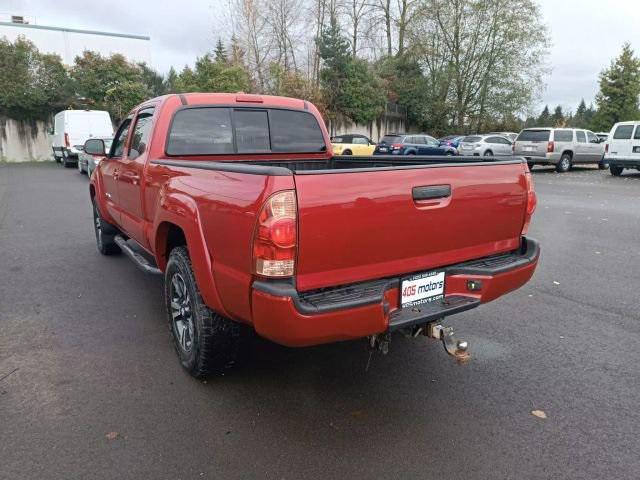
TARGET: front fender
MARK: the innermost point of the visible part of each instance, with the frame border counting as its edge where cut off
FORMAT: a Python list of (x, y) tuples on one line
[(176, 208), (96, 191)]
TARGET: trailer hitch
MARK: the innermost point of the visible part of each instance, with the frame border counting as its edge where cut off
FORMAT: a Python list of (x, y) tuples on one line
[(458, 349)]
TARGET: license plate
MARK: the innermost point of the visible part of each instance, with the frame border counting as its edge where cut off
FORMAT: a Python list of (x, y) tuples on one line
[(529, 149), (422, 288), (383, 149)]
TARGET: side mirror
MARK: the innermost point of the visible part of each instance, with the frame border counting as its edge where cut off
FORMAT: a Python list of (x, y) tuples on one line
[(94, 146)]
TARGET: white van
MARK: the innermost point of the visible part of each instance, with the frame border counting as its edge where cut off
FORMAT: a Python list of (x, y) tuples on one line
[(622, 149), (71, 128)]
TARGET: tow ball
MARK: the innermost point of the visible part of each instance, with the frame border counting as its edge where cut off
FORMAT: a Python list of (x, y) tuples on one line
[(458, 349)]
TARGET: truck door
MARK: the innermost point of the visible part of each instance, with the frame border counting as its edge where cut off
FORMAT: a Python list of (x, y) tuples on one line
[(110, 168), (596, 149), (581, 154), (130, 177)]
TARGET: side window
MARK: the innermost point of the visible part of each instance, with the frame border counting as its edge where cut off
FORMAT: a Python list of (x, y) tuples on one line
[(580, 136), (591, 138), (493, 140), (140, 138), (637, 134), (431, 141), (117, 147), (360, 141), (623, 132), (563, 135)]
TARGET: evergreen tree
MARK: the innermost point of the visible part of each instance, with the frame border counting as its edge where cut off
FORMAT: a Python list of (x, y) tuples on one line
[(220, 52), (618, 99), (557, 119), (589, 116), (544, 120), (334, 52), (579, 119), (170, 81)]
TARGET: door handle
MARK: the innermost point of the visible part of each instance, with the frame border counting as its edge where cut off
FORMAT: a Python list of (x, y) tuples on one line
[(134, 178), (431, 192)]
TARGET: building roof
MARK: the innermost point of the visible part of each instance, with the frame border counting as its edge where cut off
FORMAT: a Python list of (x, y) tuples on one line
[(75, 30)]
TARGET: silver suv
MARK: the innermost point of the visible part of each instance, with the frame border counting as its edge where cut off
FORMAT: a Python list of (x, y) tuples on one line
[(562, 147)]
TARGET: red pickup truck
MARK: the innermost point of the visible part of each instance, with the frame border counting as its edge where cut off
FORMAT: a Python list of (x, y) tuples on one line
[(239, 202)]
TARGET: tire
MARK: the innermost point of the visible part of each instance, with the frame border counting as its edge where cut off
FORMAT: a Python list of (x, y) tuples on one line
[(347, 152), (105, 234), (488, 153), (602, 165), (65, 160), (615, 170), (449, 154), (411, 153), (206, 343), (564, 165)]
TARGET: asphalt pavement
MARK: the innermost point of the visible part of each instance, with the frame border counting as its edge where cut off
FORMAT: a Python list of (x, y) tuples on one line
[(90, 386)]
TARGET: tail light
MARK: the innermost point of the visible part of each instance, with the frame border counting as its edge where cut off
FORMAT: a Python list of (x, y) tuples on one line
[(66, 140), (532, 201), (275, 238), (550, 147), (396, 146)]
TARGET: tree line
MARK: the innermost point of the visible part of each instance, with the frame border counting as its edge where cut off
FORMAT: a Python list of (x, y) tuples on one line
[(456, 66)]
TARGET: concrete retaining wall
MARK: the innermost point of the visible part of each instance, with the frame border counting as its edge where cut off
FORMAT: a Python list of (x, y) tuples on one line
[(392, 120), (22, 141)]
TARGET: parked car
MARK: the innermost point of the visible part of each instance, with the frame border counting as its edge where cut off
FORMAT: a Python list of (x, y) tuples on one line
[(510, 135), (622, 150), (485, 145), (86, 162), (412, 144), (71, 128), (451, 140), (237, 201), (352, 144), (562, 147)]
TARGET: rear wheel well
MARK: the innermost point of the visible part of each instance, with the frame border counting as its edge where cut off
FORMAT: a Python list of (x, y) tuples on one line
[(568, 152)]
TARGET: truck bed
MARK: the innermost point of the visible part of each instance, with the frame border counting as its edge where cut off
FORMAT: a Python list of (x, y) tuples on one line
[(366, 218)]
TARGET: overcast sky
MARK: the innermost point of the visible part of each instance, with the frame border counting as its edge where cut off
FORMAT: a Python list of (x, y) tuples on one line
[(586, 34)]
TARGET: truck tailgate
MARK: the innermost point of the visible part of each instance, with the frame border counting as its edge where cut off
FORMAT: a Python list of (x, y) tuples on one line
[(362, 225)]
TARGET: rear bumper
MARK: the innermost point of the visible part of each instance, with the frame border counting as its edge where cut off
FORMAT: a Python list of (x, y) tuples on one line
[(292, 318), (623, 162), (552, 158)]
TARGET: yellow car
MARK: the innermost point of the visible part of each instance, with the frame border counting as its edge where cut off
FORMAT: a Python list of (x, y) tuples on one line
[(352, 145)]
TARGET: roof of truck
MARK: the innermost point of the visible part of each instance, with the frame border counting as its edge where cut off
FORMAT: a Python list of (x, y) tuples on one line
[(239, 98)]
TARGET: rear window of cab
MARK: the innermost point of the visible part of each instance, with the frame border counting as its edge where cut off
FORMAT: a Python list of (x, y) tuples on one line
[(224, 130)]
